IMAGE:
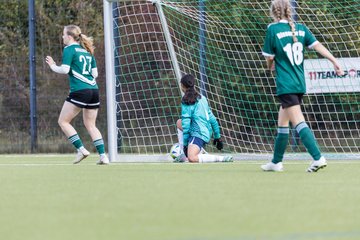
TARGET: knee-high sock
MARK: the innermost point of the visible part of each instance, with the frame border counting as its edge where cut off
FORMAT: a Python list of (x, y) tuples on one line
[(280, 144), (100, 147), (76, 141), (203, 158), (180, 138), (308, 139)]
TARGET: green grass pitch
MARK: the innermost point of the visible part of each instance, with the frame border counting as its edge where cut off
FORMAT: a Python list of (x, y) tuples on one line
[(46, 197)]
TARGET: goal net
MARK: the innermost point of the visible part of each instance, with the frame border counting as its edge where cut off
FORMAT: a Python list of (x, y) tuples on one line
[(220, 42)]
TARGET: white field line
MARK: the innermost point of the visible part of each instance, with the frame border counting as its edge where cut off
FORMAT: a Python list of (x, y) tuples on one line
[(253, 162)]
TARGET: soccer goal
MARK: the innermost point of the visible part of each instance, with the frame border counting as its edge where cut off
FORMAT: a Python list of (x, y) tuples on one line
[(150, 44)]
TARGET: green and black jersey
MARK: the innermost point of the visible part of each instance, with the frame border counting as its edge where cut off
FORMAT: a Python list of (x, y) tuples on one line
[(289, 55), (81, 63)]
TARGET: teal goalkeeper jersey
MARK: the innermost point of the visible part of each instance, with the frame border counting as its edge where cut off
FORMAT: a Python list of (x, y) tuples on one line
[(81, 63), (289, 56), (199, 121)]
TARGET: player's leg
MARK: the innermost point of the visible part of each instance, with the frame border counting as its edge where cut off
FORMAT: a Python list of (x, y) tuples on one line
[(68, 112), (181, 136), (308, 139), (194, 150), (89, 119), (180, 133), (281, 142), (282, 138), (306, 135)]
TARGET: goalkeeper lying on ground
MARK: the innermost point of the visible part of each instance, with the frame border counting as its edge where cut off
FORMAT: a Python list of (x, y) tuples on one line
[(197, 125)]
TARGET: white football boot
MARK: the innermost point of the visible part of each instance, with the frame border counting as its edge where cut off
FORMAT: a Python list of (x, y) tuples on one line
[(81, 155), (103, 160), (227, 159), (317, 165), (181, 158), (272, 167)]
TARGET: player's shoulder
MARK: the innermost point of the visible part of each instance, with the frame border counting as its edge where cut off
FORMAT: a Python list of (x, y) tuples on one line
[(272, 25), (203, 100), (76, 48), (69, 48), (300, 25)]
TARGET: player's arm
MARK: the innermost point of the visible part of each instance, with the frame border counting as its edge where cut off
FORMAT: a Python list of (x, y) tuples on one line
[(67, 57), (94, 70), (214, 124), (321, 49), (63, 69), (185, 122), (270, 63), (268, 50), (312, 43), (216, 128), (66, 62)]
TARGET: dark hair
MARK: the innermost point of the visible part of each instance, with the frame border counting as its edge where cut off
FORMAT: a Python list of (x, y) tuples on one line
[(191, 95)]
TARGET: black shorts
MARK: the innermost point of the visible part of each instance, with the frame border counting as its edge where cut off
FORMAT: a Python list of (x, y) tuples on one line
[(85, 98), (289, 100)]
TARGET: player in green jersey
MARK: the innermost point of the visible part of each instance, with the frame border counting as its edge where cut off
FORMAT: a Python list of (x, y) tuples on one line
[(285, 43), (79, 63), (197, 125)]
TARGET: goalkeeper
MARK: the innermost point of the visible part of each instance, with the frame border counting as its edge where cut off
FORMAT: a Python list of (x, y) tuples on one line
[(197, 125)]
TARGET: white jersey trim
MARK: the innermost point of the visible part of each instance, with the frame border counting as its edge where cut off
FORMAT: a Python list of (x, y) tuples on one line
[(83, 79), (268, 54), (313, 44)]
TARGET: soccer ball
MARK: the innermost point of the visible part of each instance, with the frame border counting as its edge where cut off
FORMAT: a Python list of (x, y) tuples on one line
[(175, 151)]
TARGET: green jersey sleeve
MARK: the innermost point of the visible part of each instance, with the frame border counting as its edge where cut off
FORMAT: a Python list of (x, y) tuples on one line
[(309, 38), (93, 62), (268, 50), (214, 124), (68, 54), (186, 121)]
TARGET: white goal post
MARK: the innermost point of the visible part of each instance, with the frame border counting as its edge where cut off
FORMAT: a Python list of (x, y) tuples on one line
[(150, 44), (110, 81)]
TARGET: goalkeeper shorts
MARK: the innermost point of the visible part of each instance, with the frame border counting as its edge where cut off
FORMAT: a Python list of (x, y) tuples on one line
[(85, 98), (197, 141)]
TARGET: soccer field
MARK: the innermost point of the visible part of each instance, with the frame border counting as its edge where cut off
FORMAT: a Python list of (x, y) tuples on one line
[(46, 197)]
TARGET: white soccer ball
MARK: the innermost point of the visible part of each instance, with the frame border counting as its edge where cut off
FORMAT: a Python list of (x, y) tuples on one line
[(175, 151)]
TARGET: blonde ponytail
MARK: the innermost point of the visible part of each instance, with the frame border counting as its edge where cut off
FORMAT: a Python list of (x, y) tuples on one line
[(281, 9), (85, 41), (291, 22)]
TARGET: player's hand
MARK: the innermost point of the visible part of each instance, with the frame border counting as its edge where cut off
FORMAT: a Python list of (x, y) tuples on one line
[(338, 69), (49, 60), (218, 143)]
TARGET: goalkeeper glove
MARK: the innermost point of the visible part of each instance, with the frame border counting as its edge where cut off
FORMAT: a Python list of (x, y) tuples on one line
[(218, 143)]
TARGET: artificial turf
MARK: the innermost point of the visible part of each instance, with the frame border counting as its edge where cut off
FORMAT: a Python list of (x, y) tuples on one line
[(46, 197)]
